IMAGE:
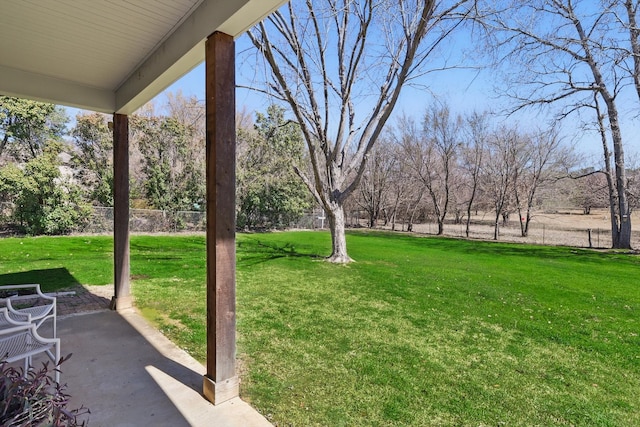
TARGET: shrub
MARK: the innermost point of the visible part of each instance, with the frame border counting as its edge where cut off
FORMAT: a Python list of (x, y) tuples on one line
[(46, 201), (35, 399)]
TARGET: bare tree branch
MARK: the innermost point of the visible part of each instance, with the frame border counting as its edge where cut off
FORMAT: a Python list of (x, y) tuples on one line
[(341, 66)]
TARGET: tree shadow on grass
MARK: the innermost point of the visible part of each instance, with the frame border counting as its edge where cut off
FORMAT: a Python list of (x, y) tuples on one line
[(520, 250), (252, 251), (501, 249), (50, 279)]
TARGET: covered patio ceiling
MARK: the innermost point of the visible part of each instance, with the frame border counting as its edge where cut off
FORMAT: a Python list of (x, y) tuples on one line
[(111, 56)]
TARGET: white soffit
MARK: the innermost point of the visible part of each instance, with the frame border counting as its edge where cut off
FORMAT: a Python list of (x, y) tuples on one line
[(110, 56)]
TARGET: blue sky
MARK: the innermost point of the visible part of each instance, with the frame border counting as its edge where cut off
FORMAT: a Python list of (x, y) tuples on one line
[(461, 87), (465, 90)]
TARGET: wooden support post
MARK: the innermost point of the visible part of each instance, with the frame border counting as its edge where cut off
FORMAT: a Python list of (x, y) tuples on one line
[(221, 382), (122, 291)]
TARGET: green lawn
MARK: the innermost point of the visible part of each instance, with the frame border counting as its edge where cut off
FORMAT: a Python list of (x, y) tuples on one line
[(419, 331)]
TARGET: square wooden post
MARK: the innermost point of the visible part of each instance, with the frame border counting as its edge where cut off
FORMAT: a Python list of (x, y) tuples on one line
[(221, 382), (122, 290)]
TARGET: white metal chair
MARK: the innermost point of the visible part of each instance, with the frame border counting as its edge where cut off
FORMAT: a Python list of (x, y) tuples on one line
[(21, 308), (22, 341)]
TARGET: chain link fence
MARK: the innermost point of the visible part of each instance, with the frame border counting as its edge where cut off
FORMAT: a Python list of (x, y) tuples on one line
[(158, 221), (578, 235), (148, 221), (540, 234)]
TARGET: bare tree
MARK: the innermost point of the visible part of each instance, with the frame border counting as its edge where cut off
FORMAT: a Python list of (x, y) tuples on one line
[(404, 197), (433, 157), (634, 188), (498, 172), (409, 192), (375, 187), (590, 190), (473, 153), (542, 160), (569, 51), (632, 52), (341, 65)]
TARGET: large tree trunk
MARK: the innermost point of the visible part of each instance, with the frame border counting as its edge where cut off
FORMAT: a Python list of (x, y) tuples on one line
[(621, 235), (624, 227), (621, 232), (615, 235), (338, 236), (608, 175)]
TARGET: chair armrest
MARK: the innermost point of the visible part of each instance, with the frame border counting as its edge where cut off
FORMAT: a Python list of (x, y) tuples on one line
[(38, 312), (22, 341), (34, 286), (9, 321)]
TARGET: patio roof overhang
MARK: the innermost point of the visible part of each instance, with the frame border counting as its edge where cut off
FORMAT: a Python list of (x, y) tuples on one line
[(111, 56), (115, 56)]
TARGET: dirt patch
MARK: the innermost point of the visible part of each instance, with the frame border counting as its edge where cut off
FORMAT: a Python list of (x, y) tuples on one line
[(564, 228)]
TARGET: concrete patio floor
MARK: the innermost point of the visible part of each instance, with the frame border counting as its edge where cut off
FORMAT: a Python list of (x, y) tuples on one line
[(128, 374)]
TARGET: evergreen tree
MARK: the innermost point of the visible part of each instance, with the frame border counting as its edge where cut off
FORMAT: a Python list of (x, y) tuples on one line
[(269, 193)]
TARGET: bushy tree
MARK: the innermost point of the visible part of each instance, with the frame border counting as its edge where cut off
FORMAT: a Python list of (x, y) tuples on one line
[(27, 126), (93, 158), (46, 201), (269, 194), (171, 174), (10, 179)]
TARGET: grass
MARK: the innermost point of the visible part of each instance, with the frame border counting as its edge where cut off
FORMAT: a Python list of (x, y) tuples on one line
[(419, 331), (56, 262)]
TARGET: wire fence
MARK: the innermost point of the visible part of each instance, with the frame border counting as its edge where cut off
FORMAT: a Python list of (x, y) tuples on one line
[(540, 234), (158, 221), (148, 221)]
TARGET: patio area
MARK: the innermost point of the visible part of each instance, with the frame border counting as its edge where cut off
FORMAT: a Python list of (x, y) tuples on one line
[(114, 58), (128, 374)]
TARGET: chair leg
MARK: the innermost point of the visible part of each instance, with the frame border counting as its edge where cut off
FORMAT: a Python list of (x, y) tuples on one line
[(57, 362)]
